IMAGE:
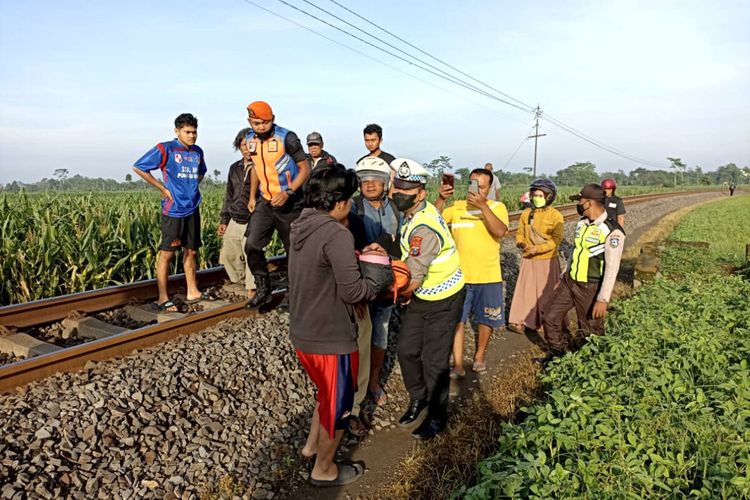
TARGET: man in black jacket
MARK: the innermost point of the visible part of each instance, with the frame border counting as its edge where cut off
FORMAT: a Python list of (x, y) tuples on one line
[(316, 155), (235, 217)]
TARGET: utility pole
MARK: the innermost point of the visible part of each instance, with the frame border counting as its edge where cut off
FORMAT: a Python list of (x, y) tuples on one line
[(537, 135)]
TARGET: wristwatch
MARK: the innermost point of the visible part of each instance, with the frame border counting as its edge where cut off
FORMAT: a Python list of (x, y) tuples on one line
[(289, 191)]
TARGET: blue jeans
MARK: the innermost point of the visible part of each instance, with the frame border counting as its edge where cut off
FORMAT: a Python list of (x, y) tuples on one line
[(381, 318)]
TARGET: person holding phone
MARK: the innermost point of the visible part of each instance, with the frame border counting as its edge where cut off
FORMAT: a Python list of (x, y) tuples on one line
[(539, 234), (477, 225)]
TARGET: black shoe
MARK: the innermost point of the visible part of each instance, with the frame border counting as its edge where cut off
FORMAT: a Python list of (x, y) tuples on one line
[(283, 307), (551, 354), (416, 407), (430, 428), (262, 292)]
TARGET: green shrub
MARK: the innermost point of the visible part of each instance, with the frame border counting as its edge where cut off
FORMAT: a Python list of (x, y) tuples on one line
[(660, 406)]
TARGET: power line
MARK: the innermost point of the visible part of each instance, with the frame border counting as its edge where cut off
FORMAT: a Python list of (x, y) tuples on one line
[(435, 73), (348, 47), (473, 87), (554, 121), (599, 144), (443, 75), (433, 57)]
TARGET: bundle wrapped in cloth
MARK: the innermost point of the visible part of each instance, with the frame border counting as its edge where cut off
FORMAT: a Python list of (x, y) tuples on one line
[(384, 275)]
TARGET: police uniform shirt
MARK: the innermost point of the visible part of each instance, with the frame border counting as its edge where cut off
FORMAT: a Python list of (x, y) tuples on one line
[(424, 246), (613, 246)]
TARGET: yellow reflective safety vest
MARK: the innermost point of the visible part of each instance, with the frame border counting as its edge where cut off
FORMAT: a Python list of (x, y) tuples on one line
[(587, 261), (444, 277)]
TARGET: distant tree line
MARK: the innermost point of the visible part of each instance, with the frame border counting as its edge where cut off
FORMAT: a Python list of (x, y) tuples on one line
[(78, 183), (581, 173), (576, 174)]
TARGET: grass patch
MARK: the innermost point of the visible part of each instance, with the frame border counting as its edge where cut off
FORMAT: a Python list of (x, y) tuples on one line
[(724, 224)]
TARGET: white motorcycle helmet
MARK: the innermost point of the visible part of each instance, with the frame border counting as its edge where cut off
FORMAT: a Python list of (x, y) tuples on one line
[(373, 168)]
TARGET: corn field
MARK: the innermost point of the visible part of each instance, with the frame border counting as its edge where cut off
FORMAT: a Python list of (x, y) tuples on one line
[(55, 244)]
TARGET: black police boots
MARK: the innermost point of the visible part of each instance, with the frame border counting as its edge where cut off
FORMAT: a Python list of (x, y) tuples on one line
[(262, 292), (430, 427), (416, 407)]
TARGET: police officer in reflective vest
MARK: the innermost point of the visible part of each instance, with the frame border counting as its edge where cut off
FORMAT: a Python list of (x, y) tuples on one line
[(430, 319), (588, 282)]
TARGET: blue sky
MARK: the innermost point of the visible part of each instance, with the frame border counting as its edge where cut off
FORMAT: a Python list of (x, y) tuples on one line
[(92, 86)]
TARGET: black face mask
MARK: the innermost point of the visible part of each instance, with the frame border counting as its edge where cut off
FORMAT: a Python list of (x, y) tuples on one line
[(265, 135), (580, 209), (404, 201)]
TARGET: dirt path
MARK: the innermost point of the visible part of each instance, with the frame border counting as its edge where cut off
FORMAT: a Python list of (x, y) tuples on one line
[(385, 452)]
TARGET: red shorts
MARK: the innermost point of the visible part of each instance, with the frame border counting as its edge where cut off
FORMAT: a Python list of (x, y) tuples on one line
[(335, 376)]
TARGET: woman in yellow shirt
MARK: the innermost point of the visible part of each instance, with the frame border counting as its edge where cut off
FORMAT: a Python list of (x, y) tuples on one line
[(540, 232)]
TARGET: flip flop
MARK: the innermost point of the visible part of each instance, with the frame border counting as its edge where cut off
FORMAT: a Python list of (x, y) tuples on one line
[(348, 473), (204, 296), (520, 329), (167, 306), (479, 367), (455, 374)]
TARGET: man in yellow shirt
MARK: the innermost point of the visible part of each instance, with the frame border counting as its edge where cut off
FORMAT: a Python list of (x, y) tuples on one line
[(477, 226)]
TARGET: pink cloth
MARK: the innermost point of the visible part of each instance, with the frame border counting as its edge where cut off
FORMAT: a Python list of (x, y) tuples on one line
[(374, 258), (536, 281)]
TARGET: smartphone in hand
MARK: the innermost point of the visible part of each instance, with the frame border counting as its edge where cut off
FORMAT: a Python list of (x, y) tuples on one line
[(449, 179), (473, 186)]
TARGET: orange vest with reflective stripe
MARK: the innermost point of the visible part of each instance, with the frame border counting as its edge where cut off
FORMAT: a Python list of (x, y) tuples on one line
[(275, 168)]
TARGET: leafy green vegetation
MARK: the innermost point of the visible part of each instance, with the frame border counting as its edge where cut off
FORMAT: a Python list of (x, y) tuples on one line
[(660, 406)]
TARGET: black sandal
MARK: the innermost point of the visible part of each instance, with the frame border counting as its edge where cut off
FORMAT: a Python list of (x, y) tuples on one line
[(349, 472), (166, 306), (356, 432)]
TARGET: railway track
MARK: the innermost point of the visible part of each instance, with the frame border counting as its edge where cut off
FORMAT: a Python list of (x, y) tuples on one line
[(102, 340)]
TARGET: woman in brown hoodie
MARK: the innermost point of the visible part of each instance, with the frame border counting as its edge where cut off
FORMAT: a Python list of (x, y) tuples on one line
[(325, 284)]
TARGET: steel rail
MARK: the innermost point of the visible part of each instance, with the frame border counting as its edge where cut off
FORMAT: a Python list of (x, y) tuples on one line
[(43, 311), (74, 358)]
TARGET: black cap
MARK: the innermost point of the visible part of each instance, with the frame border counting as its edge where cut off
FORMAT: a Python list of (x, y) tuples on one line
[(314, 138), (590, 192)]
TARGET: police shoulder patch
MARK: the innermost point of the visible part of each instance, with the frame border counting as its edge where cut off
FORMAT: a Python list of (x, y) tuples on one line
[(614, 242), (416, 246)]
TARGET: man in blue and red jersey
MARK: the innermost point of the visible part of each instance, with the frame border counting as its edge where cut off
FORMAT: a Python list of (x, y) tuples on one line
[(182, 166), (281, 169)]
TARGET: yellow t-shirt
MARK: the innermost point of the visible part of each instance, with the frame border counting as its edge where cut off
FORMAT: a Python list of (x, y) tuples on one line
[(478, 250)]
